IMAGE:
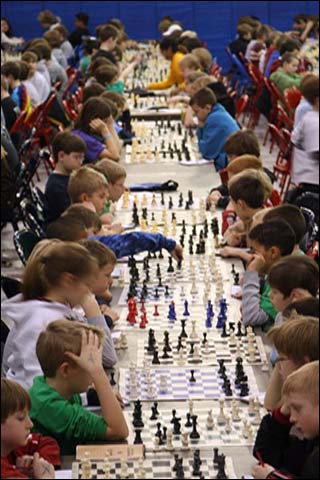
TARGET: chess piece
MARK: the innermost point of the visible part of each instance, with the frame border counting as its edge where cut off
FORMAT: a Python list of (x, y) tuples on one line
[(192, 377), (227, 427), (141, 471), (210, 421), (221, 420), (106, 467), (169, 444), (86, 466), (123, 341), (185, 440), (235, 412)]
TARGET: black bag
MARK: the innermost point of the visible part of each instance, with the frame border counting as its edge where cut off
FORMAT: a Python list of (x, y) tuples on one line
[(169, 186)]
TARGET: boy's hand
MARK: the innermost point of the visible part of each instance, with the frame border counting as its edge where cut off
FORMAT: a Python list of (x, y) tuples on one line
[(24, 464), (42, 468), (105, 310), (90, 358), (261, 472), (120, 399), (117, 228), (228, 252), (99, 126), (256, 264), (213, 198), (177, 253)]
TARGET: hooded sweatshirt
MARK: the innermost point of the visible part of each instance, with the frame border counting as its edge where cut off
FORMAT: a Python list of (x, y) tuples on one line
[(29, 318)]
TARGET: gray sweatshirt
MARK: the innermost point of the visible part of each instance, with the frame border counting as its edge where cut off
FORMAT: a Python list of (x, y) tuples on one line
[(252, 312), (26, 320)]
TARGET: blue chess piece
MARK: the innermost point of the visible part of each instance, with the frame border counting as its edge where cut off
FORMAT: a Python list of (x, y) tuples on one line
[(221, 320), (209, 321), (210, 308), (186, 312), (172, 312)]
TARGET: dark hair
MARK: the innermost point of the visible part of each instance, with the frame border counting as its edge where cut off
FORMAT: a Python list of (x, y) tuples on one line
[(261, 31), (67, 228), (190, 43), (300, 17), (288, 57), (308, 307), (291, 214), (25, 69), (243, 142), (106, 32), (43, 48), (9, 32), (106, 74), (115, 22), (11, 68), (88, 217), (309, 88), (248, 188), (167, 43), (93, 108), (289, 46), (53, 37), (83, 17), (275, 233), (203, 97), (294, 272), (67, 142), (93, 90)]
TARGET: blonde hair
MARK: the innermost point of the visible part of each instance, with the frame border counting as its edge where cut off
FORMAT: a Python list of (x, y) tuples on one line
[(190, 61), (100, 252), (193, 76), (85, 180), (14, 398), (304, 381), (44, 270), (297, 339), (244, 162), (203, 82), (59, 337), (204, 57), (111, 170), (41, 248), (258, 175), (259, 217)]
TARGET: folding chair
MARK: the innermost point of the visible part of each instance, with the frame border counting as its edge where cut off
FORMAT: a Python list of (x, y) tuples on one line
[(24, 241), (292, 98), (10, 286)]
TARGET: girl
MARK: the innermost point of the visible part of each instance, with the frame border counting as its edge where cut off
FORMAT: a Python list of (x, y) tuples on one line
[(57, 278)]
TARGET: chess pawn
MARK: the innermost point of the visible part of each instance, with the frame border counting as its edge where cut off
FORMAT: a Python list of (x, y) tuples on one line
[(181, 359), (86, 466), (169, 444), (210, 421), (106, 467), (196, 354), (154, 200), (144, 201), (182, 291), (251, 408), (221, 420), (156, 443), (124, 469), (193, 334), (233, 340), (235, 412), (252, 354), (207, 348), (123, 341), (228, 428), (141, 471), (185, 440)]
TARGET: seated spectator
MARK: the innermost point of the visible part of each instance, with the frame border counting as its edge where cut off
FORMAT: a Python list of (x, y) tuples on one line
[(56, 72), (8, 106), (107, 36), (204, 57), (54, 39), (244, 35), (215, 125), (81, 29), (38, 80), (48, 20), (309, 85), (65, 46), (19, 93), (257, 44), (26, 74), (286, 76)]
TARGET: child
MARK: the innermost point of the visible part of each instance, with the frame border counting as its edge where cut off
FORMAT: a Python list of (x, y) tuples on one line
[(89, 187), (240, 44), (107, 36), (293, 215), (54, 39), (90, 219), (215, 125), (26, 74), (69, 227), (270, 241), (95, 89), (291, 279), (49, 64), (65, 45), (308, 307), (19, 93), (55, 281), (95, 127), (10, 111), (125, 116), (188, 64), (81, 29), (23, 455), (68, 152), (40, 83), (70, 355), (257, 44), (48, 20), (169, 50), (204, 57), (248, 192), (286, 76)]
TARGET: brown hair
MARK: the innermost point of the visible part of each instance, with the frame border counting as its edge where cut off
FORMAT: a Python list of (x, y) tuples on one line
[(45, 270), (305, 380), (85, 180), (111, 170), (14, 398), (93, 90), (67, 228), (106, 74), (190, 61), (25, 70), (93, 108), (203, 81), (11, 68), (29, 57), (62, 30), (47, 17), (274, 233), (88, 217), (53, 38), (309, 88), (59, 337), (113, 106), (244, 29), (68, 143), (295, 272), (203, 97), (297, 339), (4, 84), (251, 186), (100, 252), (204, 57), (115, 97), (288, 57), (193, 76), (97, 62), (106, 32), (42, 48), (243, 142), (244, 162), (291, 214)]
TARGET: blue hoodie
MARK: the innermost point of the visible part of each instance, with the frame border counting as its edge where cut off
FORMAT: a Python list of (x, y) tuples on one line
[(213, 135)]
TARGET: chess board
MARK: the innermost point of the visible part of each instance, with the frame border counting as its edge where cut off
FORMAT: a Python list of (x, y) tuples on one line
[(216, 349), (156, 467), (208, 384), (216, 436), (159, 218), (162, 322), (153, 202)]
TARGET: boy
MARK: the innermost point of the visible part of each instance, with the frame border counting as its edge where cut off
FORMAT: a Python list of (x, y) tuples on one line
[(23, 455), (214, 126), (291, 279), (68, 153), (308, 307), (270, 241), (293, 215), (70, 355), (169, 50), (286, 76), (19, 93), (81, 30), (108, 36), (285, 452)]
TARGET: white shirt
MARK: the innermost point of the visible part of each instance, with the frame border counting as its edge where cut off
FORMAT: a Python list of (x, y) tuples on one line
[(41, 86), (305, 138)]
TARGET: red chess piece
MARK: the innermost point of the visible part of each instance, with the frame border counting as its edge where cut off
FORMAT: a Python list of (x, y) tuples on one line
[(132, 306), (144, 321), (135, 306), (156, 311), (142, 307)]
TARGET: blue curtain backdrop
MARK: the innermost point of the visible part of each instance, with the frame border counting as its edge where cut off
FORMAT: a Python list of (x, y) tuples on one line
[(215, 22)]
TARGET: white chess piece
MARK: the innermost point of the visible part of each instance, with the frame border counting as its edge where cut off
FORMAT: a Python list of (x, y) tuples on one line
[(227, 427), (106, 467), (86, 466), (156, 443), (185, 440), (221, 420), (196, 354), (124, 469), (141, 471), (251, 408), (193, 334), (181, 359), (169, 444), (235, 412), (123, 341), (210, 421)]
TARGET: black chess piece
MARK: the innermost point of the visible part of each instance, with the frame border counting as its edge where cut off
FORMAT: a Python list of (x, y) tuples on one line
[(170, 267), (179, 346), (194, 435), (166, 291), (154, 415), (112, 380), (155, 360), (222, 367), (192, 377), (167, 341), (160, 256), (165, 353), (138, 440), (183, 333), (205, 338), (189, 422), (177, 426), (165, 433)]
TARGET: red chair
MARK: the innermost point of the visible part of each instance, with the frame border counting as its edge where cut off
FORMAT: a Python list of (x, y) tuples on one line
[(241, 105), (275, 198), (292, 97), (71, 81), (18, 124), (282, 165), (283, 119)]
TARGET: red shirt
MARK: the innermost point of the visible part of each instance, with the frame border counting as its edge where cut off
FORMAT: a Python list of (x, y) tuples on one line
[(47, 448)]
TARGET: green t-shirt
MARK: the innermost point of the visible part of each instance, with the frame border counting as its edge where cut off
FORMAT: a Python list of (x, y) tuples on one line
[(65, 420), (84, 64), (266, 305), (106, 208), (117, 87)]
